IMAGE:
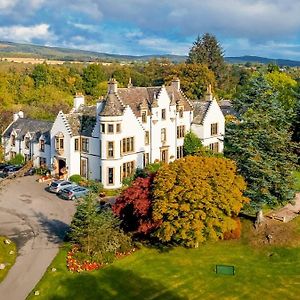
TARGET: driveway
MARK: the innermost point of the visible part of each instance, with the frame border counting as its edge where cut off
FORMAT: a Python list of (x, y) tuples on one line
[(37, 221)]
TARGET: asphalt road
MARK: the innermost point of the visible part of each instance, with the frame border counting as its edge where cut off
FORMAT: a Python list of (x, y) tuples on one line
[(37, 221)]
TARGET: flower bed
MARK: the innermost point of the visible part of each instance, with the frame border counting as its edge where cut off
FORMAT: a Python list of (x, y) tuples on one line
[(74, 265)]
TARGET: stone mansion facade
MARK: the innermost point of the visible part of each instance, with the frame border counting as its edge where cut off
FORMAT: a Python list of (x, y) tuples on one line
[(128, 129)]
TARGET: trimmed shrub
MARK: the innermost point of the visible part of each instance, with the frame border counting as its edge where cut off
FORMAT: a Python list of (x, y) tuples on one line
[(76, 178), (234, 234)]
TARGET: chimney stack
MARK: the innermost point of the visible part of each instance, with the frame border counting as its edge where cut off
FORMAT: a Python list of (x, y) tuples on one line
[(78, 101), (176, 83), (18, 115), (112, 86)]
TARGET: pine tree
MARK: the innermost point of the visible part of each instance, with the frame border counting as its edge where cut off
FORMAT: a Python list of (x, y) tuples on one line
[(208, 51), (261, 143)]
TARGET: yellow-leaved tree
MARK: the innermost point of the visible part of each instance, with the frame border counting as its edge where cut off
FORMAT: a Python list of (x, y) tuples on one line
[(197, 198)]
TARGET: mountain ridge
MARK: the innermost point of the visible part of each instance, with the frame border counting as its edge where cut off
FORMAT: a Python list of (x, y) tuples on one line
[(9, 49)]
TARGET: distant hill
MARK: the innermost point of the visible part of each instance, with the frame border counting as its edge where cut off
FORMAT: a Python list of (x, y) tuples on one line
[(10, 49), (262, 60)]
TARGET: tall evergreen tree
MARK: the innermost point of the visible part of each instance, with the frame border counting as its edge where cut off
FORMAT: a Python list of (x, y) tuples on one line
[(207, 50), (261, 143)]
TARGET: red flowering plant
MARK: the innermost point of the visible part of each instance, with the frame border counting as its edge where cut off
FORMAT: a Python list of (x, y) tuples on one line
[(134, 207)]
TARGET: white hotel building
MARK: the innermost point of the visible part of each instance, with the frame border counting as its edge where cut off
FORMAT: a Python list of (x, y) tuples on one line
[(128, 129)]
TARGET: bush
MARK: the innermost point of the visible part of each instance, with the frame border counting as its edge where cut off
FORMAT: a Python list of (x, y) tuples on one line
[(17, 160), (97, 233), (234, 234), (76, 178), (42, 171), (95, 186)]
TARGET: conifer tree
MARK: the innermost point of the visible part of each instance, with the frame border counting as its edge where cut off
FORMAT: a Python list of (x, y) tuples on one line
[(208, 51), (261, 143)]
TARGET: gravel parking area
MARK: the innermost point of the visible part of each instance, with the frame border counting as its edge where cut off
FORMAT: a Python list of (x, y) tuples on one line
[(37, 221)]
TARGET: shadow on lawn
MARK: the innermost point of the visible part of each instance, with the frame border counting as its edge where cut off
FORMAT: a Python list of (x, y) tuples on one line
[(114, 283), (55, 230)]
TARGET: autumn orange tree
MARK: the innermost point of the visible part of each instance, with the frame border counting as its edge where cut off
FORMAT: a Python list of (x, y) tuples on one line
[(197, 198)]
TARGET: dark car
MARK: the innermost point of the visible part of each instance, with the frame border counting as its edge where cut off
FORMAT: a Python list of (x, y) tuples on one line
[(11, 170), (72, 193), (2, 166), (30, 172)]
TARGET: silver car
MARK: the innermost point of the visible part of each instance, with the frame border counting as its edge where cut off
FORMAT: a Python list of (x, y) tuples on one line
[(72, 193), (57, 185)]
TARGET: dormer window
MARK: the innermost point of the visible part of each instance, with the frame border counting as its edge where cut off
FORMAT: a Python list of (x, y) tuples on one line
[(144, 116), (27, 142), (42, 145), (13, 140)]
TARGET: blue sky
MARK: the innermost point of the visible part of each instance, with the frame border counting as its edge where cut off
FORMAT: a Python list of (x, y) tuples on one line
[(269, 28)]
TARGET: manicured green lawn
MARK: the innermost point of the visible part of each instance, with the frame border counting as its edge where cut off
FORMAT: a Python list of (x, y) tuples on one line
[(296, 175), (5, 257), (266, 272)]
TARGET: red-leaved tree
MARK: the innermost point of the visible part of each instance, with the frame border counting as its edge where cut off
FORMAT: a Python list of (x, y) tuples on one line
[(134, 207)]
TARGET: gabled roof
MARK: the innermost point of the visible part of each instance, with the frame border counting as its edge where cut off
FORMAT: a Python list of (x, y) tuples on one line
[(135, 96), (200, 110), (37, 128), (82, 121), (227, 108)]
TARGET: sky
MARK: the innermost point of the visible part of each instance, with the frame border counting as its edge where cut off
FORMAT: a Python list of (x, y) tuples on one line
[(268, 28)]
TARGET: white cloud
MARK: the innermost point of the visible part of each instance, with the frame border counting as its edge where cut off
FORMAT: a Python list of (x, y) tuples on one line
[(87, 27), (7, 4), (159, 45), (26, 33)]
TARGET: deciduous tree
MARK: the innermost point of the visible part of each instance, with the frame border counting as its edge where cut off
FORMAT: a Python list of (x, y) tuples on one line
[(196, 198), (134, 207)]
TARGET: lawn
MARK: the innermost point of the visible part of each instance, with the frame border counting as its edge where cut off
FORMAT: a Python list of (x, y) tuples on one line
[(262, 272), (296, 175), (5, 257)]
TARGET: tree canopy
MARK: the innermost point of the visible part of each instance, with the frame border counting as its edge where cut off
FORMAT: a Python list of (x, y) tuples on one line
[(261, 143), (191, 143), (207, 50), (196, 198)]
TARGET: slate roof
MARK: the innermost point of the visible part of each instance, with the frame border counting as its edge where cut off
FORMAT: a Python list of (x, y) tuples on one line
[(36, 128), (113, 106), (227, 108), (82, 121), (136, 96), (200, 109)]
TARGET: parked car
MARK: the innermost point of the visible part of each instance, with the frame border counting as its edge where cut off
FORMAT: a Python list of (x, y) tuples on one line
[(72, 193), (11, 170), (57, 185), (30, 172), (2, 166)]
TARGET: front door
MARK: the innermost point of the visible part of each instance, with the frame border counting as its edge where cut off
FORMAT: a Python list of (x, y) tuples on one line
[(164, 155)]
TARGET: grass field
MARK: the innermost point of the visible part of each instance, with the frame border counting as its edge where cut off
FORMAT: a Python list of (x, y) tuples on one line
[(262, 272), (5, 257), (296, 175)]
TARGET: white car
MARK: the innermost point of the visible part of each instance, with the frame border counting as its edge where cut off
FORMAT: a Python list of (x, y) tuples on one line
[(57, 185)]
